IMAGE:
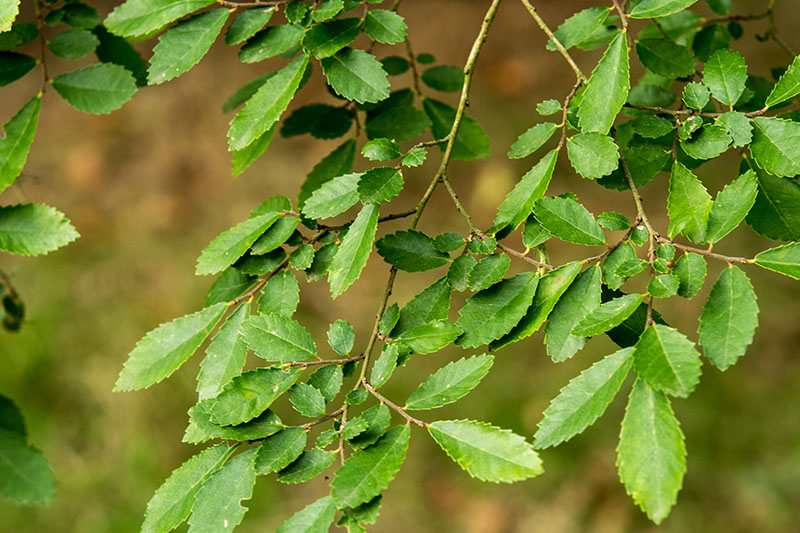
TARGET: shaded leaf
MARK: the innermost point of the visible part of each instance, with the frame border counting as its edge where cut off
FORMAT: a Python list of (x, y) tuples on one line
[(411, 251), (309, 465), (225, 356), (232, 244), (25, 475), (607, 316), (279, 450), (580, 299), (471, 140)]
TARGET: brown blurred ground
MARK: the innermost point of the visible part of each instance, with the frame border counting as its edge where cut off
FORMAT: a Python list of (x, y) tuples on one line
[(149, 186)]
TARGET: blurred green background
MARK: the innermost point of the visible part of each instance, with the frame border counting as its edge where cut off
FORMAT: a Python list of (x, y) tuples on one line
[(149, 186)]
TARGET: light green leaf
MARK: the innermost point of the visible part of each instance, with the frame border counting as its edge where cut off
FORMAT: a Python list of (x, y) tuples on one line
[(232, 244), (471, 140), (25, 475), (411, 251), (356, 246), (738, 126), (488, 271), (450, 383), (378, 419), (433, 303), (242, 159), (667, 360), (327, 9), (688, 204), (651, 455), (98, 89), (34, 229), (379, 185), (518, 203), (548, 293), (776, 146), (532, 140), (458, 273), (316, 517), (280, 295), (247, 23), (173, 501), (593, 155), (184, 45), (270, 42), (650, 9), (367, 473), (247, 396), (690, 269), (485, 451), (309, 465), (162, 351), (244, 92), (307, 400), (608, 316), (725, 74), (490, 314), (265, 107), (385, 365), (583, 400), (569, 221), (665, 58), (415, 157), (229, 285), (385, 26), (381, 149), (201, 428), (729, 318), (581, 298), (788, 85), (613, 221), (328, 380), (783, 259), (731, 206), (652, 126), (707, 143), (579, 27), (356, 75), (14, 147), (135, 18), (8, 12), (333, 197), (218, 505), (279, 450), (551, 106), (324, 40), (695, 95), (663, 286), (225, 356), (341, 337), (429, 337), (607, 89), (277, 337)]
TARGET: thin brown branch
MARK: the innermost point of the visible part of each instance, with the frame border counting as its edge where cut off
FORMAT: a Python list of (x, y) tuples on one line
[(325, 418), (524, 257), (376, 327), (383, 399), (319, 362), (708, 253), (690, 112), (386, 218), (622, 16)]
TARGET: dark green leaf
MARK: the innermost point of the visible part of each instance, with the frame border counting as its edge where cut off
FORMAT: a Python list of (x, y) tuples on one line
[(356, 75), (579, 27), (247, 23), (731, 206), (277, 337), (776, 146), (328, 380), (270, 42), (247, 396), (320, 120), (316, 517), (690, 269), (324, 40), (379, 185), (279, 450), (665, 58), (73, 44), (444, 78), (738, 126), (309, 465), (411, 251), (201, 428), (378, 418), (607, 316), (707, 143), (581, 298), (488, 271), (98, 89), (569, 221), (471, 140), (25, 475), (776, 212), (385, 26), (429, 337), (433, 303), (218, 505), (688, 204)]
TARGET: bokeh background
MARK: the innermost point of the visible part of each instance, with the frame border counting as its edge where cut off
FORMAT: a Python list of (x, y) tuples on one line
[(149, 186)]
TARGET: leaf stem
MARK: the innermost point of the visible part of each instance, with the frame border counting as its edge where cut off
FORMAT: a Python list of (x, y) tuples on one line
[(383, 399)]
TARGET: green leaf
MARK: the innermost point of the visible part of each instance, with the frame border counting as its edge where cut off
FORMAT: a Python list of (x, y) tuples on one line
[(663, 286), (247, 396), (411, 251), (783, 259), (136, 18), (316, 517), (593, 155), (225, 356), (14, 66), (725, 74), (652, 126), (73, 44), (569, 221), (341, 337), (309, 465), (613, 221), (277, 337), (244, 92), (579, 27), (162, 351), (583, 400), (690, 269), (381, 149), (488, 271), (389, 319), (688, 204), (265, 107), (8, 12), (20, 34), (201, 428), (667, 361), (429, 337), (776, 146), (532, 140), (379, 185), (184, 45), (448, 241), (665, 58), (367, 473), (651, 455), (738, 126), (243, 158), (607, 316), (444, 78), (648, 9), (279, 450), (25, 475), (776, 213), (707, 143), (229, 285), (232, 244), (280, 295), (173, 501), (324, 40), (450, 383), (433, 303), (549, 107), (270, 42), (377, 418), (415, 157), (485, 451), (490, 314), (385, 365), (729, 318), (731, 206), (788, 85), (607, 89), (471, 140), (518, 203), (354, 251), (356, 75), (97, 89), (307, 400), (581, 298), (218, 505), (247, 24), (548, 293), (533, 234), (385, 26), (327, 9), (302, 258), (328, 380), (333, 197), (695, 95), (14, 147), (458, 273)]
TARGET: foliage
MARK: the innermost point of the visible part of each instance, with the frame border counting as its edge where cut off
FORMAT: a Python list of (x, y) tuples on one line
[(619, 132)]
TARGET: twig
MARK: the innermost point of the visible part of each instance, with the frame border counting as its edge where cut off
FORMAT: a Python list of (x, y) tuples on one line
[(707, 253), (622, 16), (383, 399), (386, 218), (323, 362), (376, 327), (689, 112), (325, 418), (551, 35), (524, 257)]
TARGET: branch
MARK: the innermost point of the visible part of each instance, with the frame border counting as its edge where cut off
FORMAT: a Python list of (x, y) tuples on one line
[(524, 257), (551, 35), (708, 253), (319, 362), (689, 112), (325, 418), (383, 399)]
